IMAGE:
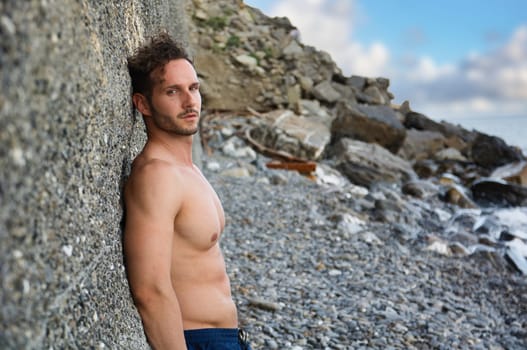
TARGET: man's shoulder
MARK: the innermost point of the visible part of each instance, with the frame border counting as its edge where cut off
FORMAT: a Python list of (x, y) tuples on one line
[(153, 174), (151, 166)]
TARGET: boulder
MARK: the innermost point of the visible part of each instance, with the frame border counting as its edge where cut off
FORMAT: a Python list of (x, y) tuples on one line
[(370, 90), (311, 109), (457, 195), (365, 164), (491, 192), (357, 82), (297, 135), (293, 49), (421, 144), (491, 151), (516, 254), (347, 93), (414, 120), (325, 92), (374, 124), (450, 154)]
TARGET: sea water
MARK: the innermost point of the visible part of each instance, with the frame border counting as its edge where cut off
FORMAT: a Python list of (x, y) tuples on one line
[(513, 130)]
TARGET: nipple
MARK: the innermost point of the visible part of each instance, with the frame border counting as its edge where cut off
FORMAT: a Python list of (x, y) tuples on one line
[(214, 237)]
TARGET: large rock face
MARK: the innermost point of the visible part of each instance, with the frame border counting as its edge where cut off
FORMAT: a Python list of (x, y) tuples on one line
[(297, 135), (67, 134), (366, 164), (492, 152), (369, 123)]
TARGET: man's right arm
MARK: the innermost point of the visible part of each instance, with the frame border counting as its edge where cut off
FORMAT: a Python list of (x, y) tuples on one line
[(152, 203)]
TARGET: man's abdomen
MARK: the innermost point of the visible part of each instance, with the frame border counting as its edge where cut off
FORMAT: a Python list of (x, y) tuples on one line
[(204, 293)]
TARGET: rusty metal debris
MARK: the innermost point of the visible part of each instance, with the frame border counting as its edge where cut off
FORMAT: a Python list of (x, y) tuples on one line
[(304, 168), (283, 160)]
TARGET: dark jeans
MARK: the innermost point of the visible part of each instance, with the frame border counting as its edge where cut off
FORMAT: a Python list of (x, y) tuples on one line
[(216, 339)]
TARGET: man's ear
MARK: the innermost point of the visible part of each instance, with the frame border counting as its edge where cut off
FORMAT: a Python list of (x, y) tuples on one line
[(141, 103)]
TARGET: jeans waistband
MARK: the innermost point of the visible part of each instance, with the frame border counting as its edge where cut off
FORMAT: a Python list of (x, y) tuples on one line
[(211, 334)]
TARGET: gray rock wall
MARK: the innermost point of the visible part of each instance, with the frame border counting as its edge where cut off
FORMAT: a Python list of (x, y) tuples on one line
[(67, 134)]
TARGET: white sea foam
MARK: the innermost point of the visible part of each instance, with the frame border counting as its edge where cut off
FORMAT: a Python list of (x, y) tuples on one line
[(515, 219)]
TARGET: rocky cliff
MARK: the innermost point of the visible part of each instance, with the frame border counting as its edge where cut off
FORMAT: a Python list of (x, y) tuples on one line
[(67, 133), (298, 104)]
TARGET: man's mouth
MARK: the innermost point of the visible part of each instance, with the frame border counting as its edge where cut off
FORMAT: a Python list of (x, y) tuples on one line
[(188, 115)]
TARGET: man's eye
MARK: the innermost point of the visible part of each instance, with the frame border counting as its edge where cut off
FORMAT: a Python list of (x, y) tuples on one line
[(171, 92)]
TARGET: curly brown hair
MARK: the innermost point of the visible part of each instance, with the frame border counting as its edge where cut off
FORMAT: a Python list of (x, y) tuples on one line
[(160, 50)]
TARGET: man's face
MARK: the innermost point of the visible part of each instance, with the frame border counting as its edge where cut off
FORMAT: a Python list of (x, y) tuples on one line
[(175, 104)]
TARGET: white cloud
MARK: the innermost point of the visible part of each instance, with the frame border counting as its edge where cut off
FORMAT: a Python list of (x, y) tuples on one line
[(492, 83), (327, 25), (422, 69)]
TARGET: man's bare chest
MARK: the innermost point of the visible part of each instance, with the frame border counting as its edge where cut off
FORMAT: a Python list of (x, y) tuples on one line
[(200, 219)]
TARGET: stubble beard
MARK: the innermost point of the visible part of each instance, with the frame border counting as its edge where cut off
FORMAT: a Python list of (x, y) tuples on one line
[(168, 124)]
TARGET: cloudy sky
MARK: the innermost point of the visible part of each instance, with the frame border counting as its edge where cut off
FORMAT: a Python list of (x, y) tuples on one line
[(451, 59)]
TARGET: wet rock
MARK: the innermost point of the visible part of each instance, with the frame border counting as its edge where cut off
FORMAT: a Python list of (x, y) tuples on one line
[(491, 151), (374, 124), (488, 225), (516, 253), (489, 192), (516, 219), (448, 179), (367, 163), (456, 194), (514, 172)]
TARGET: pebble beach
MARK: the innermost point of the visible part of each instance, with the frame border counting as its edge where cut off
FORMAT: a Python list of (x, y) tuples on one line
[(303, 279)]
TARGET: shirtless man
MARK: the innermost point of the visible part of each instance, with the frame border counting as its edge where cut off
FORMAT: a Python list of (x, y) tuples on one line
[(174, 218)]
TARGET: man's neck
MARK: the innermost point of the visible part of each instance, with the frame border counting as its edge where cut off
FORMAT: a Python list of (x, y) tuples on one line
[(179, 147)]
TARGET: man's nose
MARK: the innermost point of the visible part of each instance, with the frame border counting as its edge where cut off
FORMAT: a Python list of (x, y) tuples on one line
[(190, 99)]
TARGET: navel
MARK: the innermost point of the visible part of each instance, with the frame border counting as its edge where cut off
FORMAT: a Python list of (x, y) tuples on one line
[(214, 237)]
